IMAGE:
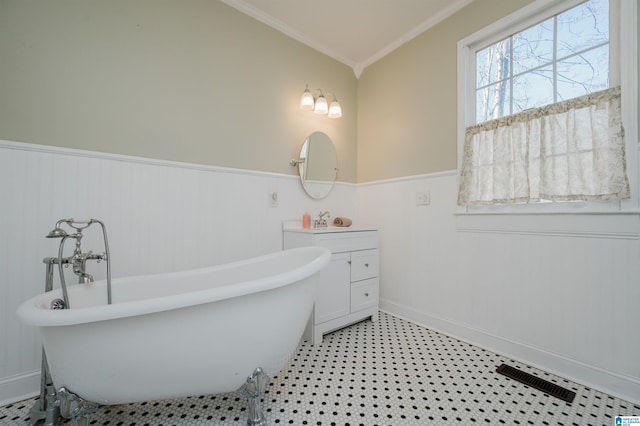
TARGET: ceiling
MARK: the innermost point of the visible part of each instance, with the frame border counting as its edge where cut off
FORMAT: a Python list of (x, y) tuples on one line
[(354, 32)]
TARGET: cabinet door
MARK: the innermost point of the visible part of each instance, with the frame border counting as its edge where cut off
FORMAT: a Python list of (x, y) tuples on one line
[(333, 297)]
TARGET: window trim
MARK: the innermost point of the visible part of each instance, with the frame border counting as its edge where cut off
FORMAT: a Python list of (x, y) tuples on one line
[(624, 67)]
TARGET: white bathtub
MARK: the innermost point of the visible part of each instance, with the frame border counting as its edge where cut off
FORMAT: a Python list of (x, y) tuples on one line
[(179, 334)]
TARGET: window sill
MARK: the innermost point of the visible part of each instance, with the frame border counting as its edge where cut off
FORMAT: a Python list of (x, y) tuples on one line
[(580, 224)]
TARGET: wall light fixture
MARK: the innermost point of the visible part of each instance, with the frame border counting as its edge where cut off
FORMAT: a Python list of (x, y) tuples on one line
[(319, 105)]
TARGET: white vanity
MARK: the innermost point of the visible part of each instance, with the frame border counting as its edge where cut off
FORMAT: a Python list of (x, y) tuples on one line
[(348, 286)]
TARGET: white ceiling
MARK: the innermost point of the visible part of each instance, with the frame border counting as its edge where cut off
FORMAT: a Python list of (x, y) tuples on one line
[(354, 32)]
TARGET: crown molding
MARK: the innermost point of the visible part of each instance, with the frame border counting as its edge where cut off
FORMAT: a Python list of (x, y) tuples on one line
[(424, 26), (269, 20), (358, 67)]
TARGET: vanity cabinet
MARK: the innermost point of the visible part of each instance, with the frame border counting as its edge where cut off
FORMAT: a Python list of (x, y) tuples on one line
[(347, 289)]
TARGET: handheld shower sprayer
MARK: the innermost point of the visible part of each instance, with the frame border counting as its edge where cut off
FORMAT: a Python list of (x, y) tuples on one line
[(57, 232), (78, 225)]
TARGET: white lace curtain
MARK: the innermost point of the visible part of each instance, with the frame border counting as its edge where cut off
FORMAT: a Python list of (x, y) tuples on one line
[(571, 150)]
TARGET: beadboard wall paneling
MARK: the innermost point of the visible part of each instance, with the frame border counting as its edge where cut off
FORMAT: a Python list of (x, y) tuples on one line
[(559, 294), (558, 291), (161, 216)]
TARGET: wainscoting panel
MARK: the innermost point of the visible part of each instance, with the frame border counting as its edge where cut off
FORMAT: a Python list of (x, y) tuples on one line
[(161, 216), (559, 291)]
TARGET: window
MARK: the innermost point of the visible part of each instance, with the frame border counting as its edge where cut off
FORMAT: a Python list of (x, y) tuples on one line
[(541, 109), (560, 58)]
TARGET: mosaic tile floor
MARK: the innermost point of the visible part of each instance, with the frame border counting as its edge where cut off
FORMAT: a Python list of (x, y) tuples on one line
[(390, 372)]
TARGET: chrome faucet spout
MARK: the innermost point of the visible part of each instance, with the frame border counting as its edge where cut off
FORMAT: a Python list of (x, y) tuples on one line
[(84, 278), (79, 267)]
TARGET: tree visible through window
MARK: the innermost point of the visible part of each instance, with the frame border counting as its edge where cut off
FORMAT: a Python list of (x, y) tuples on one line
[(563, 57)]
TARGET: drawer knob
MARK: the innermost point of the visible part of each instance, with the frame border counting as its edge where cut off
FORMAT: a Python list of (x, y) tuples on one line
[(366, 265), (366, 294), (349, 262)]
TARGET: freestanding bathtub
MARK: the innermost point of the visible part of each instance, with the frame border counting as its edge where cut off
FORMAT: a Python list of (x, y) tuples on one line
[(178, 334)]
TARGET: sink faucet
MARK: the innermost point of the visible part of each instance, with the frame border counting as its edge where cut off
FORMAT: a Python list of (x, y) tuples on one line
[(321, 221)]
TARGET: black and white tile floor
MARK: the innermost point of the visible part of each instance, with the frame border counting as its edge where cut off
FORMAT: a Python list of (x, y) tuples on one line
[(390, 372)]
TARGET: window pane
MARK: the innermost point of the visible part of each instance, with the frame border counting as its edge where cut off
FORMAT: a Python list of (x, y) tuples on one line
[(517, 73), (492, 63), (533, 47), (585, 73), (582, 27), (492, 102), (533, 89)]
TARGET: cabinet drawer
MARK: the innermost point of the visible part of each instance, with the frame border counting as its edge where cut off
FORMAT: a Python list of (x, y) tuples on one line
[(364, 294), (340, 242), (364, 264)]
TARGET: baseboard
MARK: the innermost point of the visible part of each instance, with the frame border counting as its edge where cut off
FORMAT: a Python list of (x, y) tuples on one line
[(17, 388), (618, 385)]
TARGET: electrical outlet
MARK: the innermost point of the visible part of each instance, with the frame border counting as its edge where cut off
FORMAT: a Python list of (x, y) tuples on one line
[(423, 198), (273, 199)]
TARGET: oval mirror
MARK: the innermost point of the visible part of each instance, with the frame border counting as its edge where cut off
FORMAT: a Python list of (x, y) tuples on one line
[(317, 165)]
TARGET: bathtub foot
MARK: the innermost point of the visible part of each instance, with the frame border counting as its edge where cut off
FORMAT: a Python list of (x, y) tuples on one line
[(253, 390), (75, 408), (45, 409)]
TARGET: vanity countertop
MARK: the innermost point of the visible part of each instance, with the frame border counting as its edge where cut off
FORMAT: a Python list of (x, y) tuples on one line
[(297, 227)]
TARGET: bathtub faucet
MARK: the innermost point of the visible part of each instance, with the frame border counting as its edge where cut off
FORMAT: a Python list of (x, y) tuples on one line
[(79, 259)]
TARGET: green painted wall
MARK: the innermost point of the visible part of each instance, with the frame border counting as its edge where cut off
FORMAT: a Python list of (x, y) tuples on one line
[(191, 80), (407, 101)]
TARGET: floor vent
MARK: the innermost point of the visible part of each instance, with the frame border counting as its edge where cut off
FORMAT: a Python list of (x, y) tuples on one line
[(537, 383)]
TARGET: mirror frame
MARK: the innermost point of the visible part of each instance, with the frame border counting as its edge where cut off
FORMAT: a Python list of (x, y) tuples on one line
[(319, 159)]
